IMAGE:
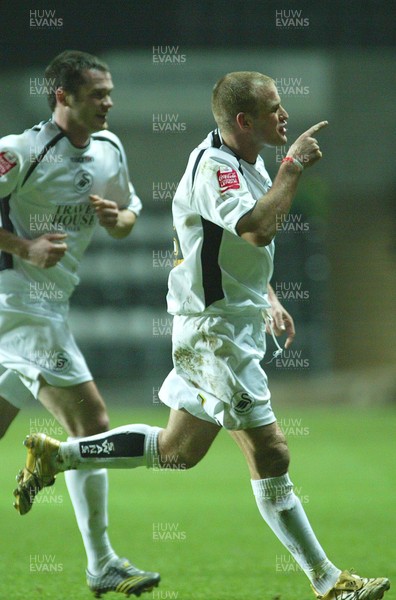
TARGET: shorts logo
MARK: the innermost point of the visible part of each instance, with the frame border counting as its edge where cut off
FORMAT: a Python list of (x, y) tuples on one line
[(242, 403), (61, 362), (53, 360), (8, 160), (83, 181), (228, 179)]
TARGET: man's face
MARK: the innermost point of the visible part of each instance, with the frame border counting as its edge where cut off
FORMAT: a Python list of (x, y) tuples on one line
[(269, 127), (88, 108)]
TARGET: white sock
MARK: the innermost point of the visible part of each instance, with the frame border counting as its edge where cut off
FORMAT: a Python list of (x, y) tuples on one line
[(88, 493), (125, 447), (283, 512)]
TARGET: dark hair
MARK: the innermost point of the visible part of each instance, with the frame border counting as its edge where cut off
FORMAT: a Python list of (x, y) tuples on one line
[(67, 70)]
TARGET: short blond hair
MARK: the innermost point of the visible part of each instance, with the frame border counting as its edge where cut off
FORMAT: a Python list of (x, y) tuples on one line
[(237, 92)]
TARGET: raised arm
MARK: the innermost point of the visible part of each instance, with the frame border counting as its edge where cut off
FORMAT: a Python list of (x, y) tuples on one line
[(259, 226)]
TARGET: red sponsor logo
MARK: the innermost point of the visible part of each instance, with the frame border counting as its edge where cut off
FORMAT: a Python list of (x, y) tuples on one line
[(7, 162), (228, 180)]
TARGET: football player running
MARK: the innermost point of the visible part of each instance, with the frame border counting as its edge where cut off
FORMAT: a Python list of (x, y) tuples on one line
[(226, 212), (59, 180)]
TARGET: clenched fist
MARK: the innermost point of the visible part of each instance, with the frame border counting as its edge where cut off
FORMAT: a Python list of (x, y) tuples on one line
[(46, 251), (106, 211)]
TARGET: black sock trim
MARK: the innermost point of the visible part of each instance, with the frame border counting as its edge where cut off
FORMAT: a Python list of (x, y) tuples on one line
[(120, 445)]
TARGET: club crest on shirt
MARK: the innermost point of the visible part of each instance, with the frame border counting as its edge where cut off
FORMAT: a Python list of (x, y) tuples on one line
[(228, 179), (242, 403), (8, 160), (83, 181)]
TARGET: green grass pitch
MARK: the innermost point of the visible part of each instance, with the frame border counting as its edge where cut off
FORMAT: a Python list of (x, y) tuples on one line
[(201, 529)]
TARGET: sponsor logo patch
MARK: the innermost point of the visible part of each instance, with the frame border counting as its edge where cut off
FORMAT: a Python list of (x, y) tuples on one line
[(228, 179), (82, 159), (8, 160)]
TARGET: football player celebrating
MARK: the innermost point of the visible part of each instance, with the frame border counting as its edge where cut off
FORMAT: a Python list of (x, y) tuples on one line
[(226, 212), (58, 180)]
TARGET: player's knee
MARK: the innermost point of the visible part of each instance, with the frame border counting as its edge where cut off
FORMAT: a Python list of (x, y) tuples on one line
[(98, 423), (178, 452), (191, 460), (179, 460), (274, 459), (4, 425), (175, 456), (278, 458)]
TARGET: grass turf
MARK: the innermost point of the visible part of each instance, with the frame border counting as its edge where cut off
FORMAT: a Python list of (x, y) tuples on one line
[(201, 528)]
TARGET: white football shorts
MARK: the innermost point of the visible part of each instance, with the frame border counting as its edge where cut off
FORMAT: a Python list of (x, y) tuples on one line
[(217, 375), (35, 341)]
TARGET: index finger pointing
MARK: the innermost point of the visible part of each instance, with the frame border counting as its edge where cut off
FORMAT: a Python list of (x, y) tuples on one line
[(317, 127)]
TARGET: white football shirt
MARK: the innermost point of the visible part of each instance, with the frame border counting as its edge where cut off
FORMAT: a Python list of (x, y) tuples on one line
[(45, 184), (216, 270)]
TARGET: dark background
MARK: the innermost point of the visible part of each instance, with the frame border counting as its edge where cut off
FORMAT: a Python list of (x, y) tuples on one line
[(345, 262)]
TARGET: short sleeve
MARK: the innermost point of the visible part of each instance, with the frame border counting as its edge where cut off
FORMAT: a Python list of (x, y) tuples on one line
[(220, 193), (120, 188), (135, 204)]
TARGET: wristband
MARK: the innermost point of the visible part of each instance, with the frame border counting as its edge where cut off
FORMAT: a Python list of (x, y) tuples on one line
[(295, 161)]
